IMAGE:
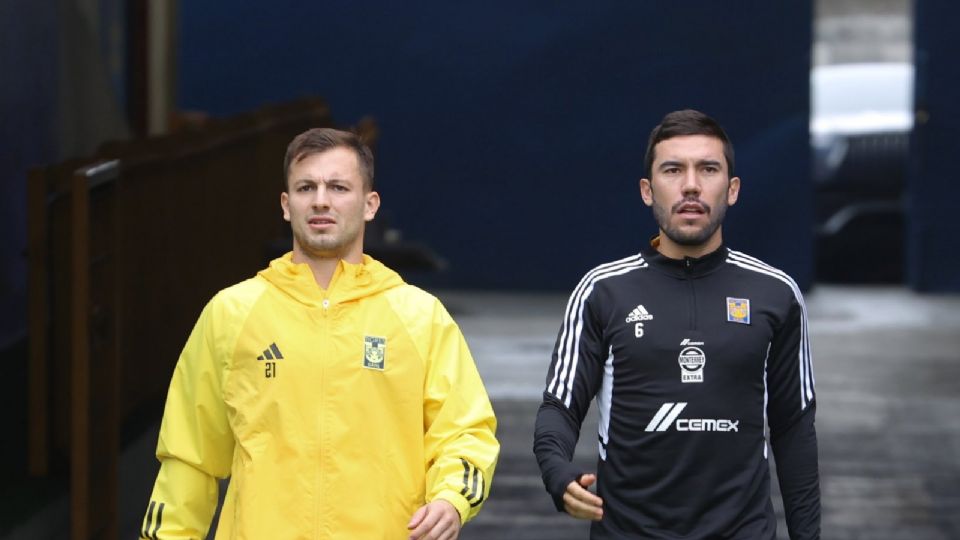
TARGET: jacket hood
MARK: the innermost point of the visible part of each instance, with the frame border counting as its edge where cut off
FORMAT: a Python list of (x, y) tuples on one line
[(349, 282)]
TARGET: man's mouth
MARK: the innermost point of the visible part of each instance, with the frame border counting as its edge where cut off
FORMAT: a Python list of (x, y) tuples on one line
[(321, 221), (691, 209)]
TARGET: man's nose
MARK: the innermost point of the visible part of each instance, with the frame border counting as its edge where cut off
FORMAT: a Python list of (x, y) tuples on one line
[(321, 198), (691, 182)]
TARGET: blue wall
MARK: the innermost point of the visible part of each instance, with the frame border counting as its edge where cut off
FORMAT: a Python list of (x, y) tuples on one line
[(513, 133), (28, 137), (933, 235)]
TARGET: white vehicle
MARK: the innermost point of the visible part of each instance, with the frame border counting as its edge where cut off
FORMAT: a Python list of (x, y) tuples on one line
[(861, 117)]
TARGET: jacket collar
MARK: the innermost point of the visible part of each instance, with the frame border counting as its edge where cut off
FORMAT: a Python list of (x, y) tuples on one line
[(349, 282), (687, 267)]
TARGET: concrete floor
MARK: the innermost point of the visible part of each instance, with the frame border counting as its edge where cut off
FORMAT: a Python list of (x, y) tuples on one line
[(887, 365)]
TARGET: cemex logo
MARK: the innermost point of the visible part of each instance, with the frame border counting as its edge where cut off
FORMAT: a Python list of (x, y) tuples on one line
[(668, 413)]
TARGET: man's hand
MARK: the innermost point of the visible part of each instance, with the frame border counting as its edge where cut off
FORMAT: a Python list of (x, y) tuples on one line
[(438, 520), (581, 503)]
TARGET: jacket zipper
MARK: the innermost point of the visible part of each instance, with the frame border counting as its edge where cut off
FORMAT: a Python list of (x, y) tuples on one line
[(688, 271), (321, 517)]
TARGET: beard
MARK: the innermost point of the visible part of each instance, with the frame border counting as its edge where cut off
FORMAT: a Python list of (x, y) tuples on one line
[(331, 245), (324, 246), (689, 237)]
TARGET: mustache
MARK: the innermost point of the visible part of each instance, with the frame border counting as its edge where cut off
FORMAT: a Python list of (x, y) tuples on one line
[(676, 207)]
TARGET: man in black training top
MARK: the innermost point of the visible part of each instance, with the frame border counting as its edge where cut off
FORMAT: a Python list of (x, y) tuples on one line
[(689, 348)]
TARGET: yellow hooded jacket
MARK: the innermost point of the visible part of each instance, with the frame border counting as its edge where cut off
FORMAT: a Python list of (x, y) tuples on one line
[(336, 413)]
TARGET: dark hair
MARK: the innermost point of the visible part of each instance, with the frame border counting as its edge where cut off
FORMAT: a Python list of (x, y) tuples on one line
[(687, 122), (316, 140)]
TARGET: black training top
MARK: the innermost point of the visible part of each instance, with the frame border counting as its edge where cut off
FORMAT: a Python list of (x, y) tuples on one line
[(687, 360)]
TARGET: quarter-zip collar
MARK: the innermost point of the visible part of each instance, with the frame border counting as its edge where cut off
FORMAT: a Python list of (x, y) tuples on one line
[(350, 281), (687, 267)]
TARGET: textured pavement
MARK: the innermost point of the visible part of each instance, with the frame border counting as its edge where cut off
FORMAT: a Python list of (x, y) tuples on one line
[(887, 366)]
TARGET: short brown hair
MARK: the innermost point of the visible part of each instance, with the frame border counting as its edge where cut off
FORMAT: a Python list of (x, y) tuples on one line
[(316, 140), (687, 122)]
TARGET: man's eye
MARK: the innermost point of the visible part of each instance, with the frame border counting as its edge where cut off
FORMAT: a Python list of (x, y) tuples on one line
[(338, 187), (305, 187)]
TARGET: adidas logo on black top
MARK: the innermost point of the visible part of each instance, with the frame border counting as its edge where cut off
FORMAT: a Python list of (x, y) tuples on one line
[(639, 313), (271, 353)]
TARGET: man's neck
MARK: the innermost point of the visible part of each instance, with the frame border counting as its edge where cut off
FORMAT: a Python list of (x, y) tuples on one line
[(323, 270), (669, 248), (324, 267)]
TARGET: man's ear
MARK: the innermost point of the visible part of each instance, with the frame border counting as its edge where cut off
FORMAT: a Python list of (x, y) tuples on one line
[(285, 204), (646, 191), (733, 191), (372, 204)]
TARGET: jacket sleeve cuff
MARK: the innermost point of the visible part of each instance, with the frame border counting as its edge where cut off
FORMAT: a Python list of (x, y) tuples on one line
[(458, 501), (557, 485)]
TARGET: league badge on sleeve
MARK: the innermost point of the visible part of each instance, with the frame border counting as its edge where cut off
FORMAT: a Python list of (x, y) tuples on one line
[(738, 310), (374, 352)]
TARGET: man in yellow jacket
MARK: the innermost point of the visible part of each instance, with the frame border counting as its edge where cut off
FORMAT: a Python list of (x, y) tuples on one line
[(341, 401)]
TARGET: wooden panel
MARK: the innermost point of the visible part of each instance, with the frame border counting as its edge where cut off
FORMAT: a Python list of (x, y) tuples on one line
[(79, 360), (123, 257), (49, 311), (38, 409)]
